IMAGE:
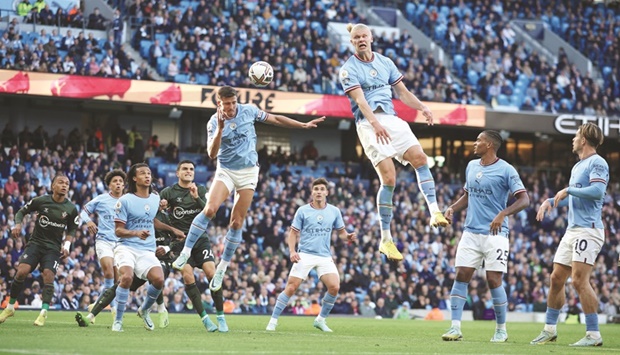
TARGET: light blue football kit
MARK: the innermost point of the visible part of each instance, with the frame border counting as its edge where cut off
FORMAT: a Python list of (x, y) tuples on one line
[(488, 187), (138, 213), (315, 227)]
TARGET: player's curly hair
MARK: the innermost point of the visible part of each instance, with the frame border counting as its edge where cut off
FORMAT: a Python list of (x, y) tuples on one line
[(112, 174), (131, 185), (592, 133)]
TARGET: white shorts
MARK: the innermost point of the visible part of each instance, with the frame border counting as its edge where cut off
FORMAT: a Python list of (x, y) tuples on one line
[(142, 261), (400, 132), (323, 264), (238, 179), (580, 244), (104, 248), (473, 249)]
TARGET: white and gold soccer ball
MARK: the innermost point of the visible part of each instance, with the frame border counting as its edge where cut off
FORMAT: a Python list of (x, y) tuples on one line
[(261, 74)]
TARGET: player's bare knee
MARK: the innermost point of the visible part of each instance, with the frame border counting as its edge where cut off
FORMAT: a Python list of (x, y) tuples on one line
[(188, 277), (125, 280), (333, 289), (158, 282), (48, 276), (210, 211), (236, 223)]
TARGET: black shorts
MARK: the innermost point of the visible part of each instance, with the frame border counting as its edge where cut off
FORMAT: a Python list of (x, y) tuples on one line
[(37, 255), (201, 253)]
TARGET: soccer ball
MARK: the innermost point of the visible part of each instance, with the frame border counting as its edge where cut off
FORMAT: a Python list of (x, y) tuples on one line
[(261, 74)]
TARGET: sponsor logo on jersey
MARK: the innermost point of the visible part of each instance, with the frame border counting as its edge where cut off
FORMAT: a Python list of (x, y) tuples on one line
[(44, 221), (180, 212)]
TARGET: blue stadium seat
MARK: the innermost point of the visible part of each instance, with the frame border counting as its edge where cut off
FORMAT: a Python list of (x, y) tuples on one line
[(503, 100), (410, 11), (472, 77)]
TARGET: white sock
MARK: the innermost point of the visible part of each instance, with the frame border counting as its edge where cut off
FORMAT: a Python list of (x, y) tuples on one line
[(433, 207), (186, 251), (10, 307), (319, 318), (551, 328), (223, 265), (500, 326), (456, 323), (43, 312), (593, 334), (90, 316), (273, 321), (161, 308), (386, 236)]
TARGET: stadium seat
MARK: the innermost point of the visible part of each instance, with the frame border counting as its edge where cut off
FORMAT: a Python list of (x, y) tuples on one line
[(503, 100)]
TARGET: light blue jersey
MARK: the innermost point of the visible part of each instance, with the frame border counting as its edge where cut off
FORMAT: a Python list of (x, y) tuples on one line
[(315, 227), (138, 213), (103, 205), (238, 148), (584, 212), (487, 188), (376, 78)]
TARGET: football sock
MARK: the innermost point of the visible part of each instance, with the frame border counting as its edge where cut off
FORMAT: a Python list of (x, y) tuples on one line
[(592, 322), (280, 305), (194, 295), (16, 290), (458, 297), (160, 300), (107, 283), (328, 304), (151, 296), (198, 227), (426, 183), (500, 304), (551, 319), (218, 299), (233, 238), (48, 294), (385, 207), (122, 294), (104, 300)]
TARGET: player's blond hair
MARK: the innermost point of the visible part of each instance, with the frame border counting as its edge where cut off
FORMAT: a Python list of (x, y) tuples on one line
[(592, 133), (351, 27)]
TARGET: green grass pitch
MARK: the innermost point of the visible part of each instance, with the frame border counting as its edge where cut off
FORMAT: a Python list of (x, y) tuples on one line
[(295, 335)]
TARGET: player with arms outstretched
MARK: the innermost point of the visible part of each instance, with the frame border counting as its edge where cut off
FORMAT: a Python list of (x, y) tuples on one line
[(232, 140), (367, 78)]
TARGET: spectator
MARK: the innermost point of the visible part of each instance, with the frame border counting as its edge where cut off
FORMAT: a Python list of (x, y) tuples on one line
[(96, 21)]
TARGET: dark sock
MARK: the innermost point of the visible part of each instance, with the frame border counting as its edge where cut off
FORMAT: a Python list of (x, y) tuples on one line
[(48, 293), (218, 299), (160, 299), (16, 288), (194, 294), (104, 300)]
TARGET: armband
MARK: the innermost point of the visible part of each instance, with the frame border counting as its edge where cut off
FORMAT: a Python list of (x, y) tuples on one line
[(67, 246)]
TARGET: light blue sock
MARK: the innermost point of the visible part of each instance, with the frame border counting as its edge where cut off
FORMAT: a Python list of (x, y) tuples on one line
[(107, 283), (280, 305), (328, 304), (426, 183), (122, 295), (151, 296), (500, 304), (198, 227), (385, 205), (233, 238), (592, 322), (458, 297), (552, 316)]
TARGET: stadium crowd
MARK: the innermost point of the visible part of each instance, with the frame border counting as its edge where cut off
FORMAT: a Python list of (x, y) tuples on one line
[(370, 285), (215, 42), (478, 35)]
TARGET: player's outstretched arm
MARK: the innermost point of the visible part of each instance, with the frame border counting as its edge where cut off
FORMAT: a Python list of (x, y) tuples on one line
[(287, 122), (214, 139), (412, 101)]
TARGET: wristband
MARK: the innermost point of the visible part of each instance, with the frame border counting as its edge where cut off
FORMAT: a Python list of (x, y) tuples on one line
[(67, 246), (166, 249)]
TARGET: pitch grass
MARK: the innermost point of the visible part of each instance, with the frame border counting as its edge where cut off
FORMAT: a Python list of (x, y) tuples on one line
[(295, 335)]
